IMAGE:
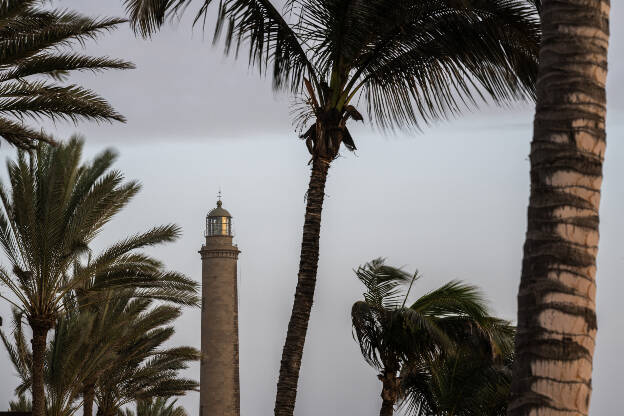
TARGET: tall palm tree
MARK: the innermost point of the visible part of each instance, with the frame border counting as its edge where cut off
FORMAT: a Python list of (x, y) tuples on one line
[(53, 210), (392, 336), (556, 299), (406, 62), (35, 44)]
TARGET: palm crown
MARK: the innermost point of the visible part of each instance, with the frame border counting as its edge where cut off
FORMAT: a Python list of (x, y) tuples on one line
[(35, 45), (143, 367), (408, 62), (53, 209), (161, 406), (416, 340)]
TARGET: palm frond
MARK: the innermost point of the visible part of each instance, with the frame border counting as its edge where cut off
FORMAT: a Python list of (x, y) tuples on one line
[(274, 45), (58, 66), (37, 42), (439, 58), (451, 354), (40, 99)]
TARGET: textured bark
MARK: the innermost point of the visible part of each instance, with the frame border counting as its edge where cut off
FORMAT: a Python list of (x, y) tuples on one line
[(389, 393), (40, 329), (304, 294), (387, 408), (88, 396), (556, 300)]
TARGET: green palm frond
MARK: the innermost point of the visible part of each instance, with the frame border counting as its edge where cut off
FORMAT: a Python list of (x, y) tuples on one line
[(115, 345), (407, 63), (159, 406), (438, 59), (274, 46), (428, 341), (22, 404), (19, 352), (35, 42), (453, 298), (53, 208), (41, 99), (58, 66), (466, 382), (143, 369), (383, 283)]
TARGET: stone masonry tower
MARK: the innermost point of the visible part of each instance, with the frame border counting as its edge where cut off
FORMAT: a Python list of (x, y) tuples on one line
[(219, 382)]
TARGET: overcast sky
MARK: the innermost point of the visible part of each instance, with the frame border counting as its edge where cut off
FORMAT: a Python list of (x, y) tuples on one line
[(450, 202)]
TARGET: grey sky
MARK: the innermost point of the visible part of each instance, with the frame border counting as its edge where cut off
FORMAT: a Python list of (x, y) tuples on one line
[(450, 202)]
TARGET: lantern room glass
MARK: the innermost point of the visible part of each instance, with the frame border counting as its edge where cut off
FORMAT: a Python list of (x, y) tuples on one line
[(216, 226)]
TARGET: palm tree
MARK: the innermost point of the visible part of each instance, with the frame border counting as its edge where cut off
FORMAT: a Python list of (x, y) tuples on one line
[(143, 369), (392, 336), (123, 349), (122, 320), (22, 404), (66, 365), (161, 406), (469, 380), (35, 44), (556, 299), (54, 209), (406, 62)]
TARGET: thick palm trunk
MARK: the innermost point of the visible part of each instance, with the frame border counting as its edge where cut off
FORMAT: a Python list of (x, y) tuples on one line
[(556, 301), (40, 332), (389, 392), (387, 408), (304, 294), (88, 396)]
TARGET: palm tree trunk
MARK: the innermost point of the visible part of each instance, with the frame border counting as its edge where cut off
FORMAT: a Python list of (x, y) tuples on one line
[(389, 392), (556, 300), (387, 408), (40, 330), (304, 294), (88, 396)]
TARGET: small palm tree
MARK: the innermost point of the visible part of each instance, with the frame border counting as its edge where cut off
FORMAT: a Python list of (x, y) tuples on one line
[(22, 404), (122, 341), (471, 379), (66, 365), (406, 62), (54, 209), (161, 406), (121, 317), (143, 369), (392, 335), (35, 44)]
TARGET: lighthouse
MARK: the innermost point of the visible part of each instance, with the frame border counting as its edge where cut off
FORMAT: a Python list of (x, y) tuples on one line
[(219, 378)]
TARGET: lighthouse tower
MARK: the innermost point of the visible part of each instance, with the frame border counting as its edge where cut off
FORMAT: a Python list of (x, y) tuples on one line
[(219, 380)]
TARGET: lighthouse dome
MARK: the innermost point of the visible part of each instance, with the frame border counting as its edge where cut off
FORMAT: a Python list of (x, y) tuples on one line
[(219, 211)]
